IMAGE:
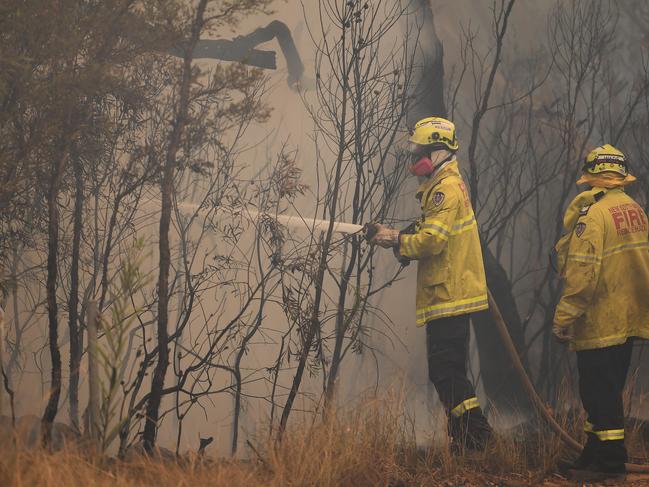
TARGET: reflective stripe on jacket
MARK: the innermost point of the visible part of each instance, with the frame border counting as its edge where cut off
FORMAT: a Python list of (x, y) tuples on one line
[(606, 275), (450, 273)]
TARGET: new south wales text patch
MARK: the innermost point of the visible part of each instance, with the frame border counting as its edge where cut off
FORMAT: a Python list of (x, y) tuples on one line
[(580, 228), (438, 198), (628, 218)]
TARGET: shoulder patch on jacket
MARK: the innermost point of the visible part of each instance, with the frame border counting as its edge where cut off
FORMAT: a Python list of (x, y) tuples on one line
[(584, 210), (438, 198), (580, 228), (426, 197)]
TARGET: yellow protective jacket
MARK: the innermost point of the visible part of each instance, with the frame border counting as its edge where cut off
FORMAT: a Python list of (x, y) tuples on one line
[(450, 274), (604, 262)]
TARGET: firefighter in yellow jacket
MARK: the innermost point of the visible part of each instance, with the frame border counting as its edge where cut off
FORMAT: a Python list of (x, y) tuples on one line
[(450, 275), (604, 263)]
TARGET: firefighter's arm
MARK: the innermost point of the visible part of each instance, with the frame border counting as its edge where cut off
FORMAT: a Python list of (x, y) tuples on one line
[(581, 272), (431, 238)]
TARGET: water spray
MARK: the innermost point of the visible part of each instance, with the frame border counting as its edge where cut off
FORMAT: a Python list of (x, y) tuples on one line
[(367, 231)]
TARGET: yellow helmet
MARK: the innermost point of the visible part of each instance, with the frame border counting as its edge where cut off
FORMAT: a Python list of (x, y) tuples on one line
[(606, 158), (435, 131)]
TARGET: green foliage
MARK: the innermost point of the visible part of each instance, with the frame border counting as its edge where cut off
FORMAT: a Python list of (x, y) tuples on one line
[(113, 348)]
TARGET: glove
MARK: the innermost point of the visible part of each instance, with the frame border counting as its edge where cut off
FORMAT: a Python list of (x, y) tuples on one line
[(562, 334), (385, 237), (409, 230), (404, 261)]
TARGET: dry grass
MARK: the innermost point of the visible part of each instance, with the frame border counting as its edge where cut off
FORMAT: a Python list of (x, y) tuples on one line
[(371, 445)]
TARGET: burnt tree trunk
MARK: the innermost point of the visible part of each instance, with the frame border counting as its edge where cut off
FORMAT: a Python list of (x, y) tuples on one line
[(342, 324), (166, 189), (76, 342), (51, 409), (429, 89), (501, 384)]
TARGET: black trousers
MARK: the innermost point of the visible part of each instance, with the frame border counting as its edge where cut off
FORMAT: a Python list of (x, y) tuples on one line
[(602, 375), (447, 341)]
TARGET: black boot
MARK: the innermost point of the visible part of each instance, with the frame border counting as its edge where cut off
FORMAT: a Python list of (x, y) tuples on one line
[(471, 431), (607, 462)]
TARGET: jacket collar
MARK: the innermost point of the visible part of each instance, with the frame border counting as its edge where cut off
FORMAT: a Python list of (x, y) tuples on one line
[(450, 169)]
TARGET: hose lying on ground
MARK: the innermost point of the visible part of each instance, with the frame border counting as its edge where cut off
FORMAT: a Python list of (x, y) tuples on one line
[(531, 392)]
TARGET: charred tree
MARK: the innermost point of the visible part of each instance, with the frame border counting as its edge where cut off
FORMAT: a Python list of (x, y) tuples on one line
[(166, 190), (428, 91), (280, 31), (76, 340), (230, 50), (242, 49), (499, 378), (51, 409)]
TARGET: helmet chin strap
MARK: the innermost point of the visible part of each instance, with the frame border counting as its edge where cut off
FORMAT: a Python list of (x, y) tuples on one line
[(442, 160)]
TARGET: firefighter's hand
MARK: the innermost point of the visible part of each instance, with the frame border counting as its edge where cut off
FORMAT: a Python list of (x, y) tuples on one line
[(562, 334), (404, 261), (385, 237)]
